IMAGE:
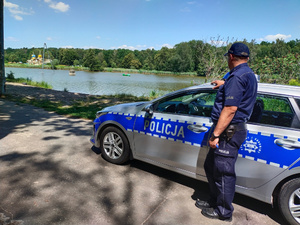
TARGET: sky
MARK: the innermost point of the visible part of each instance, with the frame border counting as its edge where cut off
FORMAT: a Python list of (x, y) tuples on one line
[(143, 24)]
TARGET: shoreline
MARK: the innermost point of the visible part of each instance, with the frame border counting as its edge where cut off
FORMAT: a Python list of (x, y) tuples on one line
[(41, 94), (108, 70), (69, 104)]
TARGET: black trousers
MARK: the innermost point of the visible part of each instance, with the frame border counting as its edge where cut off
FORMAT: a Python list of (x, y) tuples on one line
[(220, 171)]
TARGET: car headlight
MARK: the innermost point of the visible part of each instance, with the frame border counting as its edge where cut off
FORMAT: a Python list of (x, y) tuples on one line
[(100, 113)]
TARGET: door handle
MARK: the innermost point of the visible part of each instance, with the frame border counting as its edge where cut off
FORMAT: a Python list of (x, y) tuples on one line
[(197, 128), (287, 143)]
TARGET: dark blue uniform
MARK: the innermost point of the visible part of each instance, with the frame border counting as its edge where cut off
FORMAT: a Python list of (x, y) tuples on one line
[(239, 90)]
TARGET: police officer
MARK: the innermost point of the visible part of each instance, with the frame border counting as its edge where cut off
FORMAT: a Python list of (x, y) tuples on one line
[(232, 109)]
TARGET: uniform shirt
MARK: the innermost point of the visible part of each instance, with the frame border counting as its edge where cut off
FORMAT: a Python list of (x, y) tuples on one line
[(239, 90)]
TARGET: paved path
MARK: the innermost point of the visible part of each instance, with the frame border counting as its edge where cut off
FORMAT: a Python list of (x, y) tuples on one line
[(50, 175)]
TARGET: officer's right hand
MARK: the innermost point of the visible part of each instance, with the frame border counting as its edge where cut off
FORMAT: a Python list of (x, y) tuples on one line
[(214, 143), (217, 83)]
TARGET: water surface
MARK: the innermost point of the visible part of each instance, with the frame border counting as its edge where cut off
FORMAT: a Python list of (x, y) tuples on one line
[(105, 83)]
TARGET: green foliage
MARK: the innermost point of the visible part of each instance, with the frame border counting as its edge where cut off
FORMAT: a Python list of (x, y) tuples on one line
[(278, 70), (276, 105), (76, 62), (91, 61), (55, 62), (276, 61), (28, 81), (130, 61), (294, 82), (161, 59), (154, 94), (10, 76)]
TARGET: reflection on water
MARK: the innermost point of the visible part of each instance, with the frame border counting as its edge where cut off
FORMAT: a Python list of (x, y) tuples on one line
[(103, 83)]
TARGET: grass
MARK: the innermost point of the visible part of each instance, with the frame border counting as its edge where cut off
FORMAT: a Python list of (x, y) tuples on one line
[(85, 109), (29, 81), (11, 78)]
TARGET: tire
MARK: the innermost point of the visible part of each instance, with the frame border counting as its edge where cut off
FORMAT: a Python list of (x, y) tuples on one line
[(114, 145), (289, 201)]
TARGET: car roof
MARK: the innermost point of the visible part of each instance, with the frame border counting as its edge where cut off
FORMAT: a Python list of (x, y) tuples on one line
[(279, 89), (270, 89)]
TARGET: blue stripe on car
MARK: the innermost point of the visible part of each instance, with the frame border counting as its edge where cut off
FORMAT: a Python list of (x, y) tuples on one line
[(254, 148)]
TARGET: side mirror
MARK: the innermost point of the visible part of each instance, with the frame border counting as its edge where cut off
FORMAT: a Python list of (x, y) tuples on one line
[(149, 109)]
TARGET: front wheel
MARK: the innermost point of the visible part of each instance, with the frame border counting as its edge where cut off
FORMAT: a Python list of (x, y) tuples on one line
[(114, 145), (289, 201)]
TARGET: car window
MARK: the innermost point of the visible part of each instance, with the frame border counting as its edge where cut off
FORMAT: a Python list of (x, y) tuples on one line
[(273, 110), (196, 103), (298, 102)]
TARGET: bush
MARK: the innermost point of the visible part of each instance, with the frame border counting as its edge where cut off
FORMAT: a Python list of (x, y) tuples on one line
[(10, 76), (294, 82)]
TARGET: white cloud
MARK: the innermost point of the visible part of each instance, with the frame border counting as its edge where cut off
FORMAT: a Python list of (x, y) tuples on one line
[(137, 47), (16, 11), (10, 5), (58, 6), (91, 47), (68, 46), (17, 17), (167, 45), (98, 37), (49, 38), (275, 37), (127, 47)]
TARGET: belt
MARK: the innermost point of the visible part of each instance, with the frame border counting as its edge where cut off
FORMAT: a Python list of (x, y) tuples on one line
[(239, 126)]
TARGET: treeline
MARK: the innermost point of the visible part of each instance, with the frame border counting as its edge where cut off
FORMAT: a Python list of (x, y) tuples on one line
[(276, 61)]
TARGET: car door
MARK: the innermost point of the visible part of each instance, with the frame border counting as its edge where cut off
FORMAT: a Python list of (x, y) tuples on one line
[(272, 143), (175, 135)]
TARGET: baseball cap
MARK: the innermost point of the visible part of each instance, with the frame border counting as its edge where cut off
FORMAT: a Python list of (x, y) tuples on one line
[(239, 49)]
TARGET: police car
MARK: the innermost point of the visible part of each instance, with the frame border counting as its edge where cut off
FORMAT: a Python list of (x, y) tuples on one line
[(173, 131)]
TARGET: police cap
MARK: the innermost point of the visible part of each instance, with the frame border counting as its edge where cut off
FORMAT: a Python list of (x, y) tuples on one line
[(239, 49)]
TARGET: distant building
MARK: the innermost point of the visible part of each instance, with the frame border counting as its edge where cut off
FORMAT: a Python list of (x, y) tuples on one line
[(38, 60)]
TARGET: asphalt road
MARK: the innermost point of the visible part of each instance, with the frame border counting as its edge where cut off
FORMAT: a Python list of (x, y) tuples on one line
[(50, 175)]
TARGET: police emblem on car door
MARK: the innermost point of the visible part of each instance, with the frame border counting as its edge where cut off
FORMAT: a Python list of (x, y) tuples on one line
[(272, 144)]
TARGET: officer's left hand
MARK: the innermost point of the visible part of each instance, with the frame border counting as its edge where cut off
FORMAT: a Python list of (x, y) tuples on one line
[(213, 142)]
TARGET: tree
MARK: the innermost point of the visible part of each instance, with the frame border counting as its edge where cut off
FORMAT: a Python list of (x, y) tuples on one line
[(13, 58), (126, 63), (211, 59), (130, 61), (161, 59), (148, 56), (91, 61), (185, 59), (120, 54), (76, 62), (67, 56), (279, 49), (135, 64)]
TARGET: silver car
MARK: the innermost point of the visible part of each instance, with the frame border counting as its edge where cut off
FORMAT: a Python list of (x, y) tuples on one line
[(173, 131)]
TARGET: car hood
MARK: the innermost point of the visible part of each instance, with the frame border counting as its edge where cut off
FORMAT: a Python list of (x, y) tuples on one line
[(132, 108)]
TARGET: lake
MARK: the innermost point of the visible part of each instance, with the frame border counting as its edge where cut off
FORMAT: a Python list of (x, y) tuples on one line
[(105, 83)]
